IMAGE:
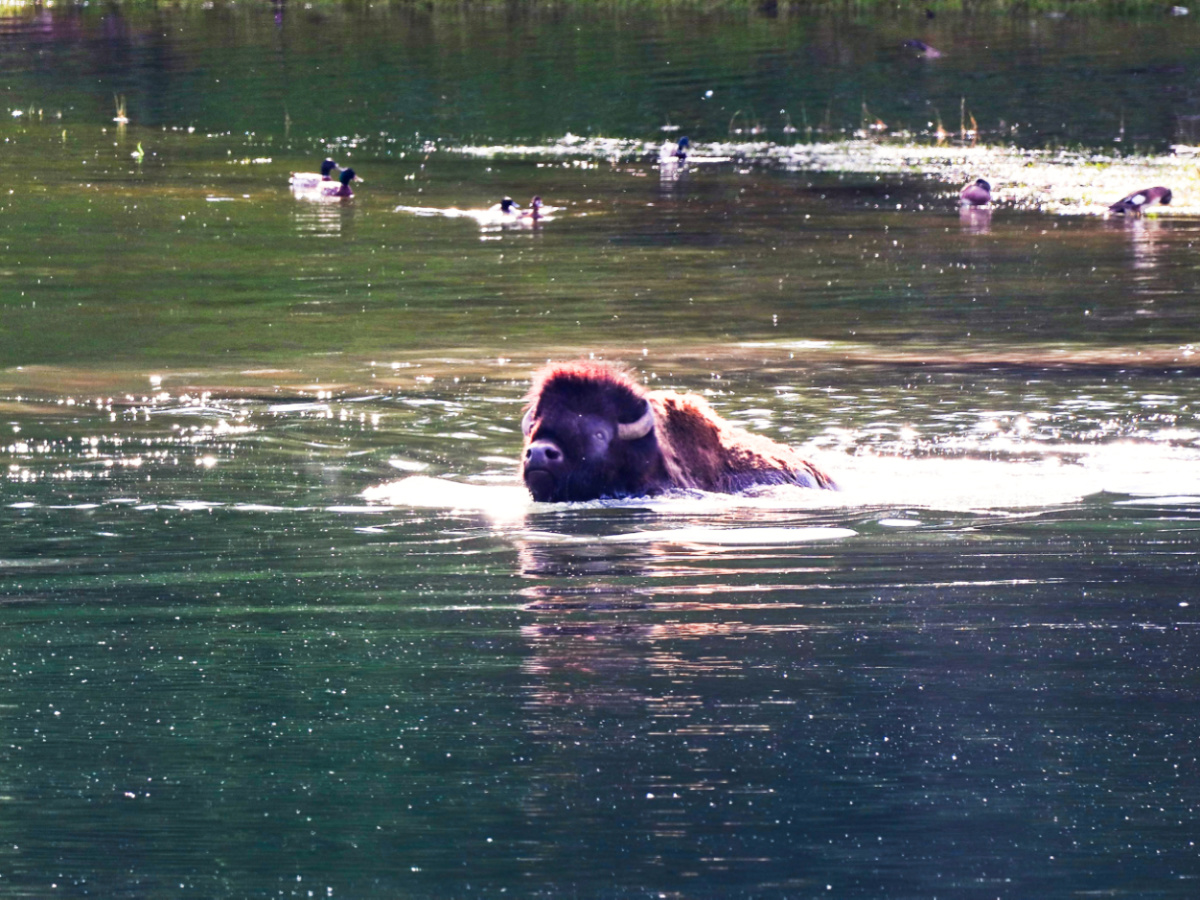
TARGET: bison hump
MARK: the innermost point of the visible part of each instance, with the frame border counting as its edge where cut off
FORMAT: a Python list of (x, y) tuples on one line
[(703, 451)]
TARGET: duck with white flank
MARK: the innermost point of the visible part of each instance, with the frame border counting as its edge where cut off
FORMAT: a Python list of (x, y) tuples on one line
[(308, 181), (507, 206), (1138, 201), (508, 211), (329, 190), (505, 214)]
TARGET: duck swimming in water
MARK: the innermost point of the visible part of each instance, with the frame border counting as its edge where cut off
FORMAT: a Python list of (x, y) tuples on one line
[(535, 210), (507, 210), (1135, 203), (328, 190), (307, 181), (924, 50), (343, 186), (506, 207), (674, 153), (978, 193), (502, 215)]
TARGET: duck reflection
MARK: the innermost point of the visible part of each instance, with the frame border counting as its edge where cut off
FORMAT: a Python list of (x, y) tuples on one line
[(672, 161), (1145, 241), (670, 180), (975, 219), (321, 219)]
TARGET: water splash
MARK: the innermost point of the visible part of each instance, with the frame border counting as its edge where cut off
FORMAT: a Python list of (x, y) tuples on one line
[(492, 218)]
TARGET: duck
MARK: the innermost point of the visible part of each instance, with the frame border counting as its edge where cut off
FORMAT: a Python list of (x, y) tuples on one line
[(977, 193), (923, 49), (674, 153), (328, 190), (307, 181), (343, 185), (535, 210), (506, 207), (508, 211), (1133, 204)]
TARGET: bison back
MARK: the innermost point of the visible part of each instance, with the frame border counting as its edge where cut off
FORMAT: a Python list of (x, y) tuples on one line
[(702, 451)]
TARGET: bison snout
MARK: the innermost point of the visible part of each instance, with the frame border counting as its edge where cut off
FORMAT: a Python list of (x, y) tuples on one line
[(543, 469), (543, 455)]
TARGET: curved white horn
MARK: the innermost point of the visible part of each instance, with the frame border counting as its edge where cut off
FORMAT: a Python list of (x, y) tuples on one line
[(633, 430), (527, 422)]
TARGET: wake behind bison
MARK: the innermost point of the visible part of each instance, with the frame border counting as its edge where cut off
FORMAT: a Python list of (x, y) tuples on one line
[(592, 432)]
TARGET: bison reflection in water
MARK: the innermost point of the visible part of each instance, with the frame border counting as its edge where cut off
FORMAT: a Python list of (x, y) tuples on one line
[(591, 431)]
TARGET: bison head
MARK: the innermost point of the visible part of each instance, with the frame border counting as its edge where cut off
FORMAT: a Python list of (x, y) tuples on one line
[(589, 433)]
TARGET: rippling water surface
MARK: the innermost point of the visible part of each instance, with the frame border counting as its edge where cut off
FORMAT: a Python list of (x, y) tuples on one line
[(280, 619)]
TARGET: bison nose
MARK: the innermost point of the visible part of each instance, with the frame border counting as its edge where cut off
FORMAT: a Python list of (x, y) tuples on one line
[(544, 468), (542, 455)]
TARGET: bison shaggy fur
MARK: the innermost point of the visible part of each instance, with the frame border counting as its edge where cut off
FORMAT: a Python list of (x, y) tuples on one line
[(591, 431)]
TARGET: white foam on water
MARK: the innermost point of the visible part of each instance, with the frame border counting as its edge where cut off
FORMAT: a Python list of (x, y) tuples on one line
[(1066, 475), (425, 492), (485, 218), (1193, 500), (1054, 477)]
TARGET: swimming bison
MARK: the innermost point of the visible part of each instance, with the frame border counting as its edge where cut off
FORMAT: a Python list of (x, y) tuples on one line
[(591, 431)]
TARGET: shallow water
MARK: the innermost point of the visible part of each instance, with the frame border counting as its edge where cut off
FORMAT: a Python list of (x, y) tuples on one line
[(282, 621)]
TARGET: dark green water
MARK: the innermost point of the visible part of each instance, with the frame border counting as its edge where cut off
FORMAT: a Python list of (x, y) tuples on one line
[(227, 672), (390, 74)]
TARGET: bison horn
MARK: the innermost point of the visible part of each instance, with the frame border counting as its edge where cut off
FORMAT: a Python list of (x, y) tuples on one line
[(527, 422), (633, 430)]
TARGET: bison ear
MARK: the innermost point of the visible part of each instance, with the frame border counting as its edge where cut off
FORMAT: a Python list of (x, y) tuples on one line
[(631, 431), (527, 422)]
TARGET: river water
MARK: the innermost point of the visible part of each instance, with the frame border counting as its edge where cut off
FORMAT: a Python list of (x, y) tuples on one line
[(280, 619)]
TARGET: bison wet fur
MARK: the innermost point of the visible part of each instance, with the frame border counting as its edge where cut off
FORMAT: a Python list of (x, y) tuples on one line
[(591, 431)]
